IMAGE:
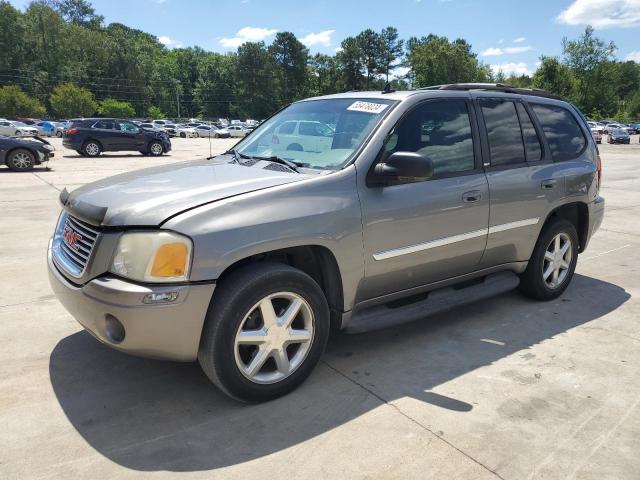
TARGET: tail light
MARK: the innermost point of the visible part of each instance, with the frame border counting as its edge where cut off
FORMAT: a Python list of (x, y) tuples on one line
[(599, 172), (71, 131)]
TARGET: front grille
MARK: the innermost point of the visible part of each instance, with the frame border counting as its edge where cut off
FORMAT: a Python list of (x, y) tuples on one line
[(73, 244)]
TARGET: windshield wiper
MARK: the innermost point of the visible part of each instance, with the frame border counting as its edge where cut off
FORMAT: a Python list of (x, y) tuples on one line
[(236, 155), (282, 161)]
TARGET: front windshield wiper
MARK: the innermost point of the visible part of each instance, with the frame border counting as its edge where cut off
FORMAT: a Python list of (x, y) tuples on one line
[(282, 161)]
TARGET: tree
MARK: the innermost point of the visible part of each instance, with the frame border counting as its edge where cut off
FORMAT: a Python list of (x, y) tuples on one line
[(324, 75), (78, 11), (371, 50), (11, 39), (289, 57), (68, 101), (15, 103), (392, 50), (350, 61), (435, 60), (254, 81), (583, 56), (554, 77), (214, 90), (155, 113), (110, 107)]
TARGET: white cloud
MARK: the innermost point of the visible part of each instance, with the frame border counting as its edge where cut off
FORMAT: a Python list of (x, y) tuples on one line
[(519, 40), (321, 38), (496, 52), (509, 68), (169, 42), (633, 56), (247, 34), (602, 13)]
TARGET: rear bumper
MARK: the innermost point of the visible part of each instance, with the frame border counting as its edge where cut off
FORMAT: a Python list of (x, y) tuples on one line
[(163, 331), (596, 215)]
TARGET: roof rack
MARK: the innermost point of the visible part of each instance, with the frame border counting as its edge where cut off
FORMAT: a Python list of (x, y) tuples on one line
[(494, 87)]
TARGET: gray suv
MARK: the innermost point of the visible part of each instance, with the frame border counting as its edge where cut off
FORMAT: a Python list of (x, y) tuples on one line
[(393, 206)]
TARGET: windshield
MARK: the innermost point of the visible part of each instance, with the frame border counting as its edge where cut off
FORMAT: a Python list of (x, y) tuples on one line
[(317, 133)]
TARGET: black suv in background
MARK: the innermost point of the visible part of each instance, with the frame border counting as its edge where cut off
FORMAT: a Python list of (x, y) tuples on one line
[(92, 136)]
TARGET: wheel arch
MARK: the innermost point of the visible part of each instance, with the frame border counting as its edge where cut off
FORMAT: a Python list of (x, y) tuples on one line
[(578, 214), (8, 153), (317, 261)]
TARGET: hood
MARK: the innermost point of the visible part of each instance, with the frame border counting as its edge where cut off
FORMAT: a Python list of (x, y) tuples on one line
[(148, 197)]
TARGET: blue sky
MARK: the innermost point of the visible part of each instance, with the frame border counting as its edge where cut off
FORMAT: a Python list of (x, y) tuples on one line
[(510, 35)]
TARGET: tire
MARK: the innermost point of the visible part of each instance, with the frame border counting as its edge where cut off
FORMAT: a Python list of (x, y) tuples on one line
[(536, 282), (91, 148), (59, 134), (295, 147), (155, 148), (235, 307), (20, 160), (18, 133), (183, 135)]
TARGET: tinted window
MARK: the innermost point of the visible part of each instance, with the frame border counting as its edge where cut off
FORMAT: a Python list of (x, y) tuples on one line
[(562, 131), (532, 143), (104, 125), (286, 128), (440, 130), (128, 127), (503, 131)]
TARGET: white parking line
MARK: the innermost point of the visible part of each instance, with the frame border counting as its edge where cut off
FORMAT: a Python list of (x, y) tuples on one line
[(604, 253)]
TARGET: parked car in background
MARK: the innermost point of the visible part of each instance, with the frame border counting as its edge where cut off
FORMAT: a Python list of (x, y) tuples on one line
[(13, 128), (150, 126), (45, 128), (597, 136), (635, 128), (302, 136), (380, 225), (21, 154), (212, 131), (619, 135), (92, 136), (237, 131), (596, 126), (28, 121), (61, 127), (159, 123), (185, 131), (170, 128)]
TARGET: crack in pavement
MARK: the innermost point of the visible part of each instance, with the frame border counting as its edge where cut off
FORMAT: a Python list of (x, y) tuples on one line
[(411, 419)]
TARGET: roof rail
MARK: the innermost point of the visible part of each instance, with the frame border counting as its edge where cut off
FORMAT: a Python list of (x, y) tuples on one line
[(494, 87)]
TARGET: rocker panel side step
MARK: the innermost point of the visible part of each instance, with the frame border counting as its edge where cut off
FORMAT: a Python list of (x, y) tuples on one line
[(436, 301)]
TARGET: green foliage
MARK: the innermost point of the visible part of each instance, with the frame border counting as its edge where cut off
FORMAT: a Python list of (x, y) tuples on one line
[(57, 42), (155, 113), (15, 103), (69, 101), (110, 107)]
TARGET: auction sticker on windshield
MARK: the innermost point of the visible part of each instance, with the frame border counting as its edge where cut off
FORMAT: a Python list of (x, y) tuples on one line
[(367, 107)]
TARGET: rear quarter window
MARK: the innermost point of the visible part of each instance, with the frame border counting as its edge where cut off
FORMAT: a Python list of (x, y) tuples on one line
[(562, 131)]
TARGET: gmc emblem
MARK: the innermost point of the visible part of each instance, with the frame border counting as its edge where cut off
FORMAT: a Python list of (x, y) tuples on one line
[(71, 237)]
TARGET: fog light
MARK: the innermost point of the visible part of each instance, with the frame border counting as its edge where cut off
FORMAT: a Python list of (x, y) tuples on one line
[(115, 329), (164, 297)]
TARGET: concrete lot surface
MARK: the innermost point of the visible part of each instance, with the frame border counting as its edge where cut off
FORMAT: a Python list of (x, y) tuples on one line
[(509, 388)]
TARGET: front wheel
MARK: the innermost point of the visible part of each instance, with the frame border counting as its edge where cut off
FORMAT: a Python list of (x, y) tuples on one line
[(183, 135), (156, 149), (265, 332), (552, 263), (20, 160)]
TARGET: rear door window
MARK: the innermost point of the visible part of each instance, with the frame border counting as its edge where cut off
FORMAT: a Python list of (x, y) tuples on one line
[(503, 132), (287, 128), (104, 125), (564, 135), (532, 143)]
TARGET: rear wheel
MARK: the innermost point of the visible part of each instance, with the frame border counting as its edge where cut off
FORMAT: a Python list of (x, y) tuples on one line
[(265, 332), (183, 135), (20, 160), (552, 263), (92, 148), (156, 149)]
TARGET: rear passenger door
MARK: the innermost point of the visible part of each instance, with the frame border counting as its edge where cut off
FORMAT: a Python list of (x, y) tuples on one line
[(104, 132), (524, 182)]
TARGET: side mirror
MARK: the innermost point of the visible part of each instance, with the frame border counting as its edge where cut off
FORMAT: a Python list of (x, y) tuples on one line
[(404, 167)]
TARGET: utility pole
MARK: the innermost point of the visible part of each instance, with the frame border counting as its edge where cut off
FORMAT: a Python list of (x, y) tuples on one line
[(178, 98)]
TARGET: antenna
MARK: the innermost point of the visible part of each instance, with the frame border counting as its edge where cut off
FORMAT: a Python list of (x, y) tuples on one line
[(387, 88), (210, 154)]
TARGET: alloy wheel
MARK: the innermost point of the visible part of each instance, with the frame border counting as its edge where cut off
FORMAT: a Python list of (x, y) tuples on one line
[(274, 338), (21, 160), (557, 260)]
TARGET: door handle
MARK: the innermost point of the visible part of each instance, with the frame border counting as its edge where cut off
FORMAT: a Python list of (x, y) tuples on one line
[(549, 184), (472, 196)]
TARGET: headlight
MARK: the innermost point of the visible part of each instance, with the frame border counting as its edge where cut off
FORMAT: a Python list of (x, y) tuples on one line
[(48, 148), (153, 257)]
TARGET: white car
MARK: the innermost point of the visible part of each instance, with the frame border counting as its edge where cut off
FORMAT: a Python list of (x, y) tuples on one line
[(212, 131), (595, 127), (160, 123), (17, 129), (302, 136), (237, 131), (185, 131)]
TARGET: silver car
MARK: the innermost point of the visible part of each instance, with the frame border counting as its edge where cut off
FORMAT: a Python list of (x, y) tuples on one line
[(17, 129), (422, 200)]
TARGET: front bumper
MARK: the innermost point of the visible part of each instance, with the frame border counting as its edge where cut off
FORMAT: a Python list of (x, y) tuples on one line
[(163, 331)]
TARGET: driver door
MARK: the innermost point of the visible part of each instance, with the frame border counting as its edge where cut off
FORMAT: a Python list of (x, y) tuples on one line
[(129, 137), (422, 232)]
